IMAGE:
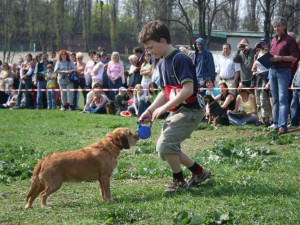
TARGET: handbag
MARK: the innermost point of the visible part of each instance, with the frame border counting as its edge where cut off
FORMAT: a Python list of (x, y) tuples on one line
[(73, 77), (239, 114)]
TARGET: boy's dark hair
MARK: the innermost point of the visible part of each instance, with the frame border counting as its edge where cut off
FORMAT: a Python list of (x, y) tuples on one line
[(154, 30)]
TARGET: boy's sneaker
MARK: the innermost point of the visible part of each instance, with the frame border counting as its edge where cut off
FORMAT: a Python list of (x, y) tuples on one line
[(175, 186), (199, 178)]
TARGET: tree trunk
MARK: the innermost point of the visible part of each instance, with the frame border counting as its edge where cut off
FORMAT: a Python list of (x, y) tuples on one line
[(114, 15)]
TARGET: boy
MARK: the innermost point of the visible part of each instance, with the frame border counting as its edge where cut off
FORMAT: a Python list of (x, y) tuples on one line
[(179, 96), (51, 84)]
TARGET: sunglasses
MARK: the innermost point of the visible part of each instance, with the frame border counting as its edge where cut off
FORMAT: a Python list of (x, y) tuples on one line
[(79, 58)]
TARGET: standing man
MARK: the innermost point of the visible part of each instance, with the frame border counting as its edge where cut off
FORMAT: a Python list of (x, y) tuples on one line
[(227, 70), (245, 57), (139, 52), (284, 50), (204, 62), (39, 80), (176, 73)]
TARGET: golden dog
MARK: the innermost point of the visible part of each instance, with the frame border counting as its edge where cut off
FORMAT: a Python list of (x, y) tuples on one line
[(95, 162)]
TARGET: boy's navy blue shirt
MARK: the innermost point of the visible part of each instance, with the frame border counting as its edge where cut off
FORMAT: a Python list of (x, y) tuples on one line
[(176, 69)]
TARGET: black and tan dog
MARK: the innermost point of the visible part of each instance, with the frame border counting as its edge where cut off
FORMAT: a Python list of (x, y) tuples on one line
[(110, 108), (217, 115)]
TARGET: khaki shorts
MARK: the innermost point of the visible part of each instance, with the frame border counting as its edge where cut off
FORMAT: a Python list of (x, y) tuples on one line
[(177, 127)]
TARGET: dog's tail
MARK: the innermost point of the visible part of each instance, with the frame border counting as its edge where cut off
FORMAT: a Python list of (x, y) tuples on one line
[(36, 185)]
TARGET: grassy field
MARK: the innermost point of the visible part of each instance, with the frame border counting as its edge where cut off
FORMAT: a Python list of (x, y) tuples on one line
[(256, 174)]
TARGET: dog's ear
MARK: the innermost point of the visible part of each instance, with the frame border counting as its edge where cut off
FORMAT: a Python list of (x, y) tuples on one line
[(124, 141)]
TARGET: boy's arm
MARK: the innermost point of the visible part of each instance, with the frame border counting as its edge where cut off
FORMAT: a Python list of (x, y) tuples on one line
[(161, 105), (185, 92), (159, 101)]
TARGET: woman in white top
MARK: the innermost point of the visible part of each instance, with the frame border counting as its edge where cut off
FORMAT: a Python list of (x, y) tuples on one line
[(146, 71), (115, 73), (97, 72), (26, 82), (89, 68)]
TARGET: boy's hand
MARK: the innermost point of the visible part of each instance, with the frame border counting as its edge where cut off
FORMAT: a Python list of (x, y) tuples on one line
[(146, 117), (158, 112)]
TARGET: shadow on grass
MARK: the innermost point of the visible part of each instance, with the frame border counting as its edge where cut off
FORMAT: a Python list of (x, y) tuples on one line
[(210, 190)]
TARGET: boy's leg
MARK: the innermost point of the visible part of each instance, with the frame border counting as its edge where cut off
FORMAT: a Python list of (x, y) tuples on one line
[(177, 127), (198, 173)]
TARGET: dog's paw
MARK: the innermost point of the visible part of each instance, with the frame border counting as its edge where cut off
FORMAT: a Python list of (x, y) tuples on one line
[(27, 206)]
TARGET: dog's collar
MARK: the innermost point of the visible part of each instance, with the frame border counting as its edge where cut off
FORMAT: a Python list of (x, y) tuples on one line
[(115, 143)]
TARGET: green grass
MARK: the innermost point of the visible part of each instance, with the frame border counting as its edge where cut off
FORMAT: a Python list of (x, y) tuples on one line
[(255, 174)]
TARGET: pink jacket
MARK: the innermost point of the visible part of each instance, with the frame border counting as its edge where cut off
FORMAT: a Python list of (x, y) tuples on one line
[(115, 70)]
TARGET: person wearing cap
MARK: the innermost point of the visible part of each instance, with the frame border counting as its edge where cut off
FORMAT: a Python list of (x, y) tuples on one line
[(244, 56), (284, 50), (121, 100), (51, 83), (259, 80)]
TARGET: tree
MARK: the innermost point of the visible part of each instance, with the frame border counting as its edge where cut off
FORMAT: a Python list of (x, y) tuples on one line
[(250, 22), (12, 14), (114, 16), (268, 7), (87, 9), (201, 7), (213, 7), (59, 22), (136, 9), (289, 10), (186, 11)]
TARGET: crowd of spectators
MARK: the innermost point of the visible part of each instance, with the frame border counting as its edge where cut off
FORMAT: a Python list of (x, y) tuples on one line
[(242, 82)]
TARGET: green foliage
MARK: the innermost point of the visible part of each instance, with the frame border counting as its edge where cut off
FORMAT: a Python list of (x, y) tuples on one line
[(18, 163), (250, 177), (205, 126), (274, 138), (183, 218), (236, 153)]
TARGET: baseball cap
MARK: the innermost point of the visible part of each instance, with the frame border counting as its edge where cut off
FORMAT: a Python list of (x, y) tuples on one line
[(264, 40), (122, 89)]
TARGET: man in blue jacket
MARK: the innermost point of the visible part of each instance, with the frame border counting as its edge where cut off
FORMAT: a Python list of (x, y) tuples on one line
[(203, 62)]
